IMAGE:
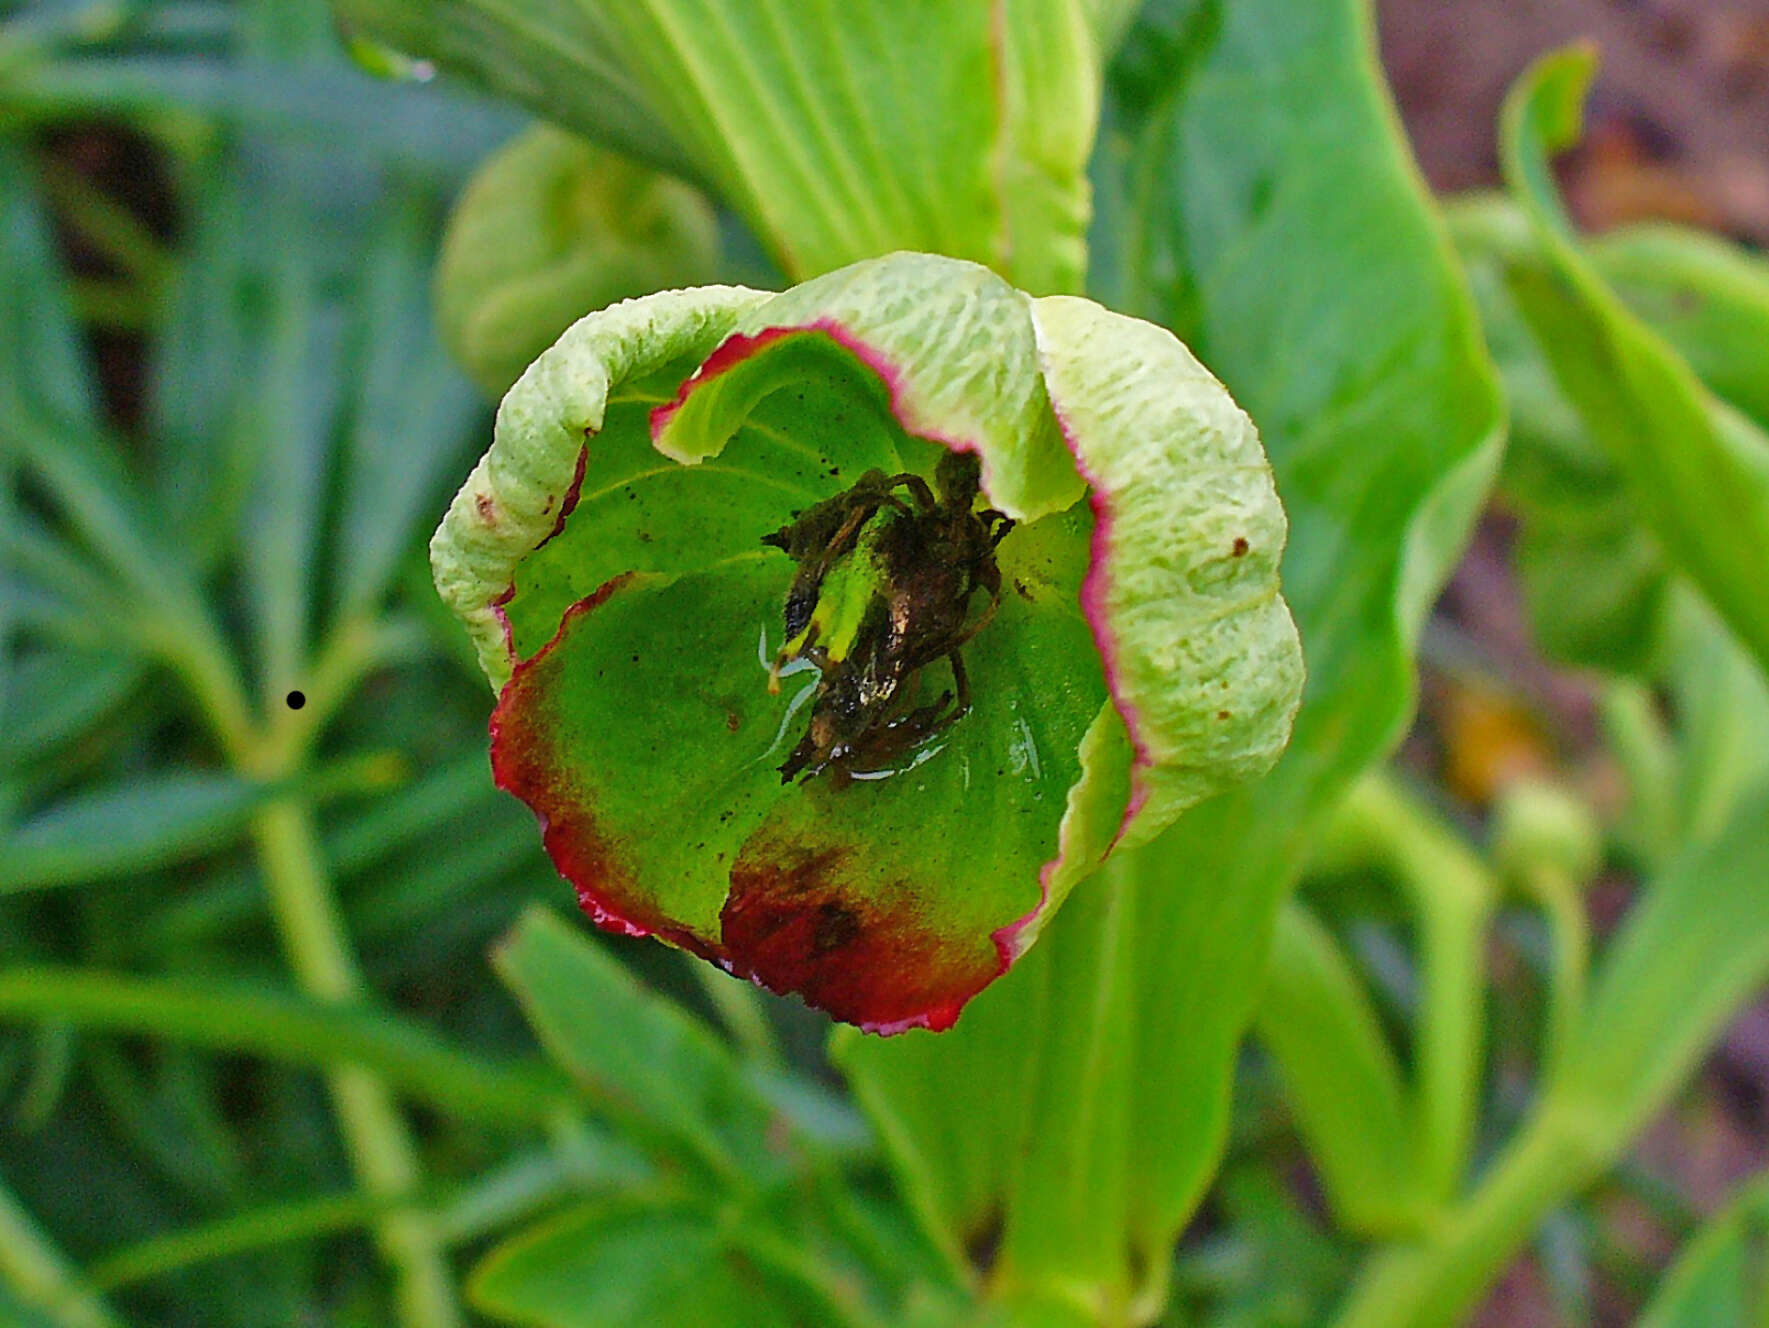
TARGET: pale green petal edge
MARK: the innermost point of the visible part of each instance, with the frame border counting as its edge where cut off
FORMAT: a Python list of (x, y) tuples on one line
[(510, 502), (1091, 820), (1202, 654), (953, 343)]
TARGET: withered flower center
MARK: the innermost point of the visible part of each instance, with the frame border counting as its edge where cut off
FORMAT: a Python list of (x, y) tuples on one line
[(887, 572)]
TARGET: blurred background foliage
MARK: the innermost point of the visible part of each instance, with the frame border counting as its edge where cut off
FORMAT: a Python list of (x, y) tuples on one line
[(255, 1066)]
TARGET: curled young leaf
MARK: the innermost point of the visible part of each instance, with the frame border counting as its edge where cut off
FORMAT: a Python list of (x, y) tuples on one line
[(818, 657), (550, 226)]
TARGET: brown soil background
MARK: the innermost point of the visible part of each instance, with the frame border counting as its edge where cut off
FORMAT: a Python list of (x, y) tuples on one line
[(1679, 123)]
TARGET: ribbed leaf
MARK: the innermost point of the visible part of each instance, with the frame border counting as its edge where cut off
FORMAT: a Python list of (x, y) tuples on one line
[(839, 131)]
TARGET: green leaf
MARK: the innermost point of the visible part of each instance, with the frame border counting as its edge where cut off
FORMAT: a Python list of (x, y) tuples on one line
[(613, 1264), (838, 133), (135, 825), (408, 413), (287, 402), (558, 58), (1697, 470), (1340, 1075), (325, 104), (549, 227), (287, 1027), (1594, 578), (1596, 585), (275, 1224), (1721, 700), (1392, 1150), (42, 1277), (43, 367), (53, 696), (1337, 318), (642, 1057), (1707, 297), (1719, 1277)]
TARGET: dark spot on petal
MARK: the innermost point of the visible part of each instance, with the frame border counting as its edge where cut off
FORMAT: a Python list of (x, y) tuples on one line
[(1241, 546), (820, 922), (488, 510), (1222, 714), (732, 722), (835, 926), (1020, 587)]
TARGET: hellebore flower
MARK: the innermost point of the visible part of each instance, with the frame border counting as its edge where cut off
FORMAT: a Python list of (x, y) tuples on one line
[(793, 687)]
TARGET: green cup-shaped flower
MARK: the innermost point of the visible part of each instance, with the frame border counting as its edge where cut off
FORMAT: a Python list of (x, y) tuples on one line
[(791, 685)]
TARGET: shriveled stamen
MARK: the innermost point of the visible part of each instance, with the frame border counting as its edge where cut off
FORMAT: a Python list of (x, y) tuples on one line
[(883, 589)]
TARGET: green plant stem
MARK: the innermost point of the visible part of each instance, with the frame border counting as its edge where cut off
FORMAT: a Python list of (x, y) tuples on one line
[(1434, 1281), (1691, 952), (313, 933), (262, 1228), (298, 1031), (1638, 737), (1562, 903), (380, 1147), (1452, 894), (192, 645), (42, 1276), (355, 647)]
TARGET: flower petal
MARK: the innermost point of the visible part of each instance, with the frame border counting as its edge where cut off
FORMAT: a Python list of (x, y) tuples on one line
[(952, 344), (1201, 654), (518, 494)]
